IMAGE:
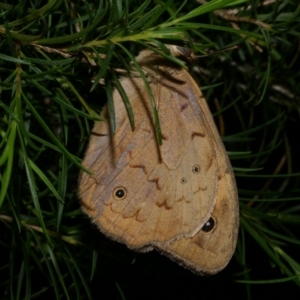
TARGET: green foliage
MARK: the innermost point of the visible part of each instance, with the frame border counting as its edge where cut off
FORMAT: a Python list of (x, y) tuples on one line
[(54, 58)]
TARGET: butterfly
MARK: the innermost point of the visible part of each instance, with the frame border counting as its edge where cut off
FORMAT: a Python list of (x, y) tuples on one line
[(180, 197)]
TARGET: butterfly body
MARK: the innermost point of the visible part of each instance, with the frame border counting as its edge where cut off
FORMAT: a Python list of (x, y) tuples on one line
[(149, 196)]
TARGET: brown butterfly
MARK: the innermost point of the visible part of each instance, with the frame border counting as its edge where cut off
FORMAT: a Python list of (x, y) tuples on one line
[(179, 198)]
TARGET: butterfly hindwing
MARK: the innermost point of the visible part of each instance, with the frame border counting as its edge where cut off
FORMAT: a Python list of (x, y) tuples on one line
[(150, 196)]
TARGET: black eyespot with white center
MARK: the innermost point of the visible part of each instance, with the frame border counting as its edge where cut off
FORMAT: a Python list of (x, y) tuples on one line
[(196, 169), (120, 193), (209, 225)]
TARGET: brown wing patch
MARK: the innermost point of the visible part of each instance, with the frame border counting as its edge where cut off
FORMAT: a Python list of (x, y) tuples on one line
[(197, 134)]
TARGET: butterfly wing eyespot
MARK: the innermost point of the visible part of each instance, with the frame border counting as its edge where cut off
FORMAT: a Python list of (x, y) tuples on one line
[(120, 193), (209, 225), (196, 169), (183, 180)]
